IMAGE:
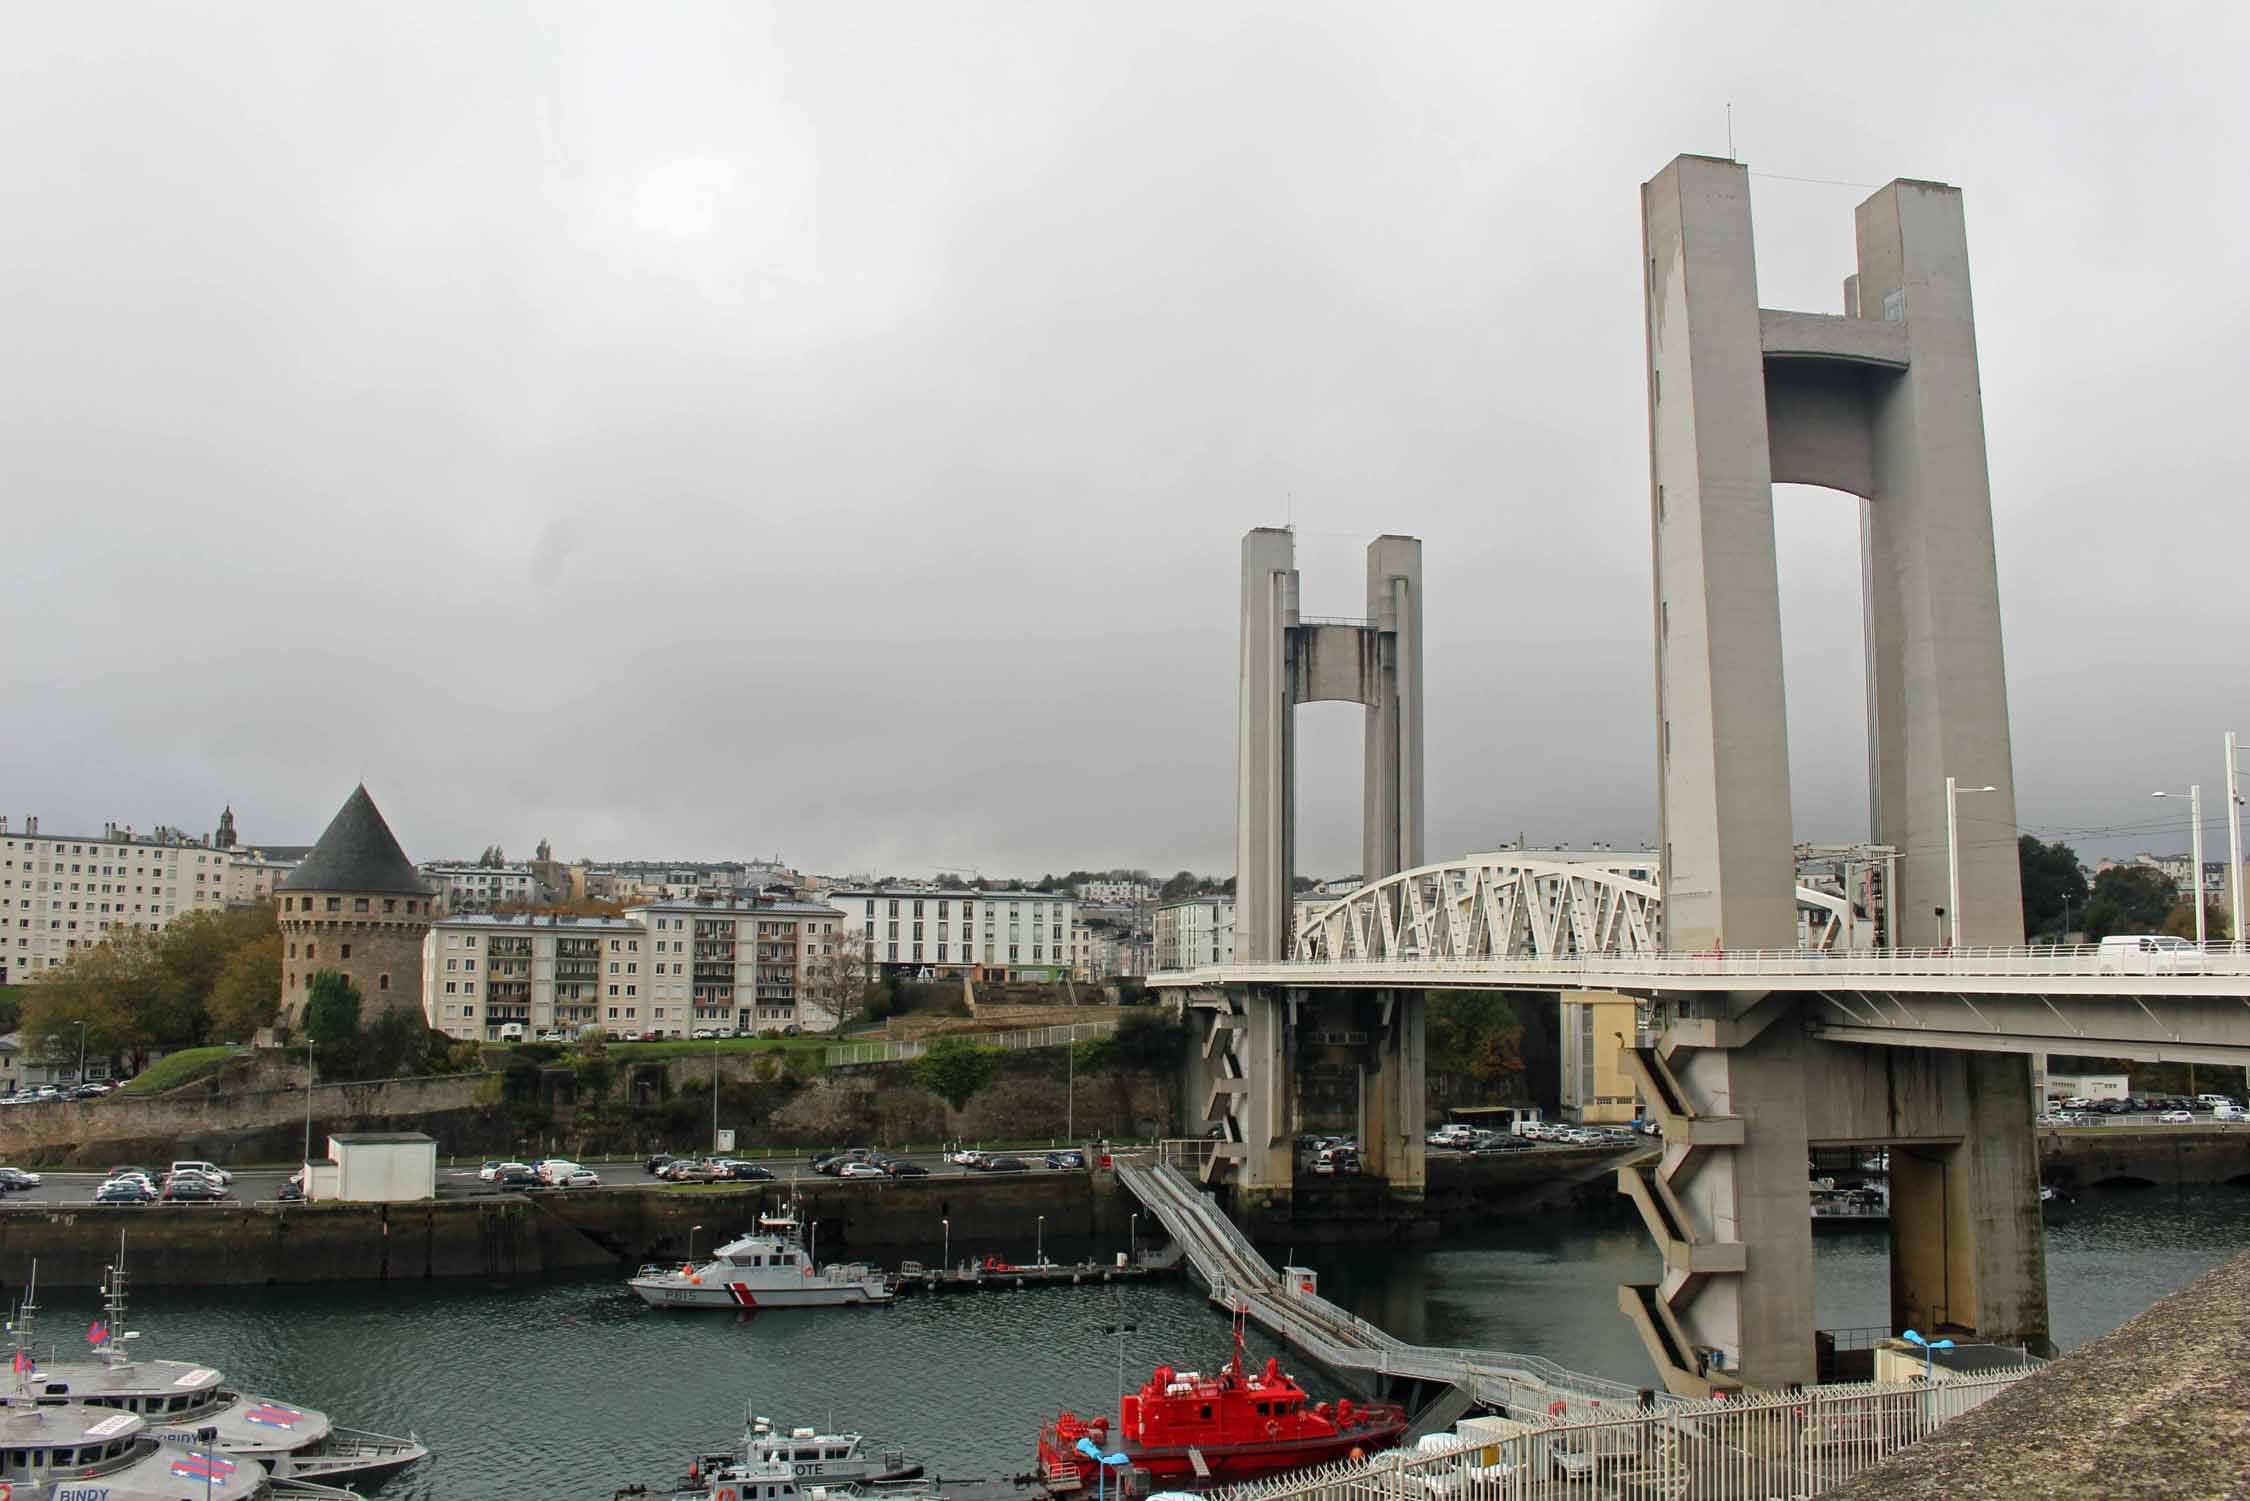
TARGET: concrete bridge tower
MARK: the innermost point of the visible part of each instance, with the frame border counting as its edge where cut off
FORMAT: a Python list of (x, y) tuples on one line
[(1881, 402), (1247, 1079)]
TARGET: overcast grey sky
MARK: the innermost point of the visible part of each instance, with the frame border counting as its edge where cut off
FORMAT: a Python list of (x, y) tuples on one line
[(709, 430)]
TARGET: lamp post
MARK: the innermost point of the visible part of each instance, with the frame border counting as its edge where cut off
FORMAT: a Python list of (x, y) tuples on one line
[(1042, 1240), (1133, 1241), (2234, 835), (2195, 847), (307, 1164), (691, 1233), (1953, 791), (714, 1096), (946, 1261), (81, 1052)]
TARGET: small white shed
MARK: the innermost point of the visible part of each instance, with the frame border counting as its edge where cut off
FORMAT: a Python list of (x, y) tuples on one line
[(376, 1167)]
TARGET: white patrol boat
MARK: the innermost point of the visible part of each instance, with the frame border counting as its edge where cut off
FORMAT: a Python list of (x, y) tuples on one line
[(189, 1406), (830, 1458), (768, 1268), (732, 1478)]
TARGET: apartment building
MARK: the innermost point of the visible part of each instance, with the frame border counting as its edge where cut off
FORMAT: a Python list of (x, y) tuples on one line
[(60, 893), (740, 962), (482, 971), (1124, 893), (672, 968), (929, 932), (481, 888), (1195, 931)]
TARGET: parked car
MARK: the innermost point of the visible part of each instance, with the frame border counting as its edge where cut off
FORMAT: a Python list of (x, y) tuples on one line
[(964, 1157), (193, 1188), (908, 1170), (14, 1178), (2207, 1100), (860, 1170), (692, 1172), (517, 1175), (289, 1193), (582, 1178), (749, 1172), (656, 1162), (491, 1171), (124, 1191), (554, 1169), (1066, 1159), (1002, 1165), (207, 1169), (2178, 1118)]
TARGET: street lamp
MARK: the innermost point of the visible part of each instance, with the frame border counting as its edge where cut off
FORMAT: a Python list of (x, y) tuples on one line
[(1953, 791), (691, 1233), (81, 1052), (2195, 857), (946, 1261), (1042, 1240), (2234, 833), (1133, 1241), (714, 1096)]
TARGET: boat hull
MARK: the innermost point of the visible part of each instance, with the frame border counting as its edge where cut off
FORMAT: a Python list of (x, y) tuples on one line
[(678, 1293), (1229, 1463)]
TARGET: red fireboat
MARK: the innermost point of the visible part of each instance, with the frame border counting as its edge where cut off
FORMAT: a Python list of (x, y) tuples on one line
[(1242, 1425)]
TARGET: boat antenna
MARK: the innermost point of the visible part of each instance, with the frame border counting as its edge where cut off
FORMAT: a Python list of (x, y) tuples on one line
[(112, 1348), (26, 1312)]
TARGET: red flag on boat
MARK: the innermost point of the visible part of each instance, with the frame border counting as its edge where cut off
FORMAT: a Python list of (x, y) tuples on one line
[(96, 1332)]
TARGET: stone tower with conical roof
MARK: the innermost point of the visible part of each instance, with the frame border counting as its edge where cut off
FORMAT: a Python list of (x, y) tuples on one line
[(224, 838), (356, 906)]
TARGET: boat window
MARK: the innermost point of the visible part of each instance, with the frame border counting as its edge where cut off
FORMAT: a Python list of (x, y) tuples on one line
[(1206, 1410), (839, 1452)]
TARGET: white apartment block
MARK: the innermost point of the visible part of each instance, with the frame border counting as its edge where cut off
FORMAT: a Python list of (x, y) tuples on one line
[(482, 971), (1123, 893), (1199, 930), (1195, 931), (737, 964), (987, 935), (670, 969), (60, 893), (481, 888)]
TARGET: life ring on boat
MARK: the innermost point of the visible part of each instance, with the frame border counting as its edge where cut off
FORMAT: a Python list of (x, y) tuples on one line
[(1273, 1430), (723, 1493), (1557, 1409)]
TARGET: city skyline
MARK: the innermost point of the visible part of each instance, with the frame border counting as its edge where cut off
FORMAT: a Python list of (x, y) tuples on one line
[(715, 434)]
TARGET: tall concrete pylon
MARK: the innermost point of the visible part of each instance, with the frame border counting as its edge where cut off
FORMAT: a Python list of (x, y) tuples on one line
[(1882, 403), (1287, 661)]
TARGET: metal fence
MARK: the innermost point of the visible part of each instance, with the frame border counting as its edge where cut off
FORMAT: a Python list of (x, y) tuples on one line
[(1768, 1447), (845, 1054), (2053, 961)]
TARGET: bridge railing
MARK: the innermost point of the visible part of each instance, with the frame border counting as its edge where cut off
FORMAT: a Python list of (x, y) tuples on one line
[(1766, 1447), (2061, 961), (845, 1054)]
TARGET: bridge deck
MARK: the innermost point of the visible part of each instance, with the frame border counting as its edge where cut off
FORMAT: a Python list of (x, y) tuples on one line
[(1239, 1277)]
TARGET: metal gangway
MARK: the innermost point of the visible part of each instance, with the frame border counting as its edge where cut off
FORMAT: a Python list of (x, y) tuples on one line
[(1240, 1278)]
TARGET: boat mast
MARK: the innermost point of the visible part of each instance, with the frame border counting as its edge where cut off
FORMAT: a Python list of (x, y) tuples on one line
[(112, 1349), (21, 1329)]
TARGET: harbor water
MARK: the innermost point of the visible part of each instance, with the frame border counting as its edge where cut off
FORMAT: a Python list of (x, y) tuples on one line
[(572, 1389)]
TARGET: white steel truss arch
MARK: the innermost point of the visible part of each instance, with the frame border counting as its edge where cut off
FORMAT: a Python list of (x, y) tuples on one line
[(1546, 904)]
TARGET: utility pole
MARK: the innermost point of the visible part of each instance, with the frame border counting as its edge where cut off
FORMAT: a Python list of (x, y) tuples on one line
[(2234, 835)]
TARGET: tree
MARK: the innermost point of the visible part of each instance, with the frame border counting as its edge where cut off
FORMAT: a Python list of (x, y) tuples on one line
[(247, 995), (2129, 899), (841, 980), (2054, 888), (1183, 884), (591, 1062), (331, 1008), (115, 987), (2180, 923), (956, 1069)]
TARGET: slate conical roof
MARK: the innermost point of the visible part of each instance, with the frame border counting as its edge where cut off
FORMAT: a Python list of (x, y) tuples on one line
[(358, 852)]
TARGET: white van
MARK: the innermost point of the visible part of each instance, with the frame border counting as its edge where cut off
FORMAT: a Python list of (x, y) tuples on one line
[(2226, 1112), (2148, 954), (2214, 1100), (511, 1031)]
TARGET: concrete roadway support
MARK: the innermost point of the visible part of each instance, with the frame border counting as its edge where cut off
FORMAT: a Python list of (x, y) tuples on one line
[(1728, 1194), (1742, 1092), (1968, 1252), (1393, 1094), (1287, 661), (1238, 1078), (1882, 403)]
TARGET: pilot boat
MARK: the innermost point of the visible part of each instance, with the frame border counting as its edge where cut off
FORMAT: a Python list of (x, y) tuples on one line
[(834, 1458), (768, 1268), (767, 1477), (182, 1403), (1183, 1426)]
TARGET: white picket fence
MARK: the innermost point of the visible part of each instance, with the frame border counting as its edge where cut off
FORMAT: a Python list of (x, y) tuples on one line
[(845, 1054), (1766, 1447)]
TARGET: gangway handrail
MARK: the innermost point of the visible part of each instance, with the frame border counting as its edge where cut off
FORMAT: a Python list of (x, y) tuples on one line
[(1240, 1277)]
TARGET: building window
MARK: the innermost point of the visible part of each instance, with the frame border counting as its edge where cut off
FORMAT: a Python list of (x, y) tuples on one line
[(359, 903), (383, 981), (347, 951), (335, 904)]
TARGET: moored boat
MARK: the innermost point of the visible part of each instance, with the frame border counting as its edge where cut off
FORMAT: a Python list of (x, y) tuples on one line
[(1183, 1427), (191, 1406), (768, 1268)]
